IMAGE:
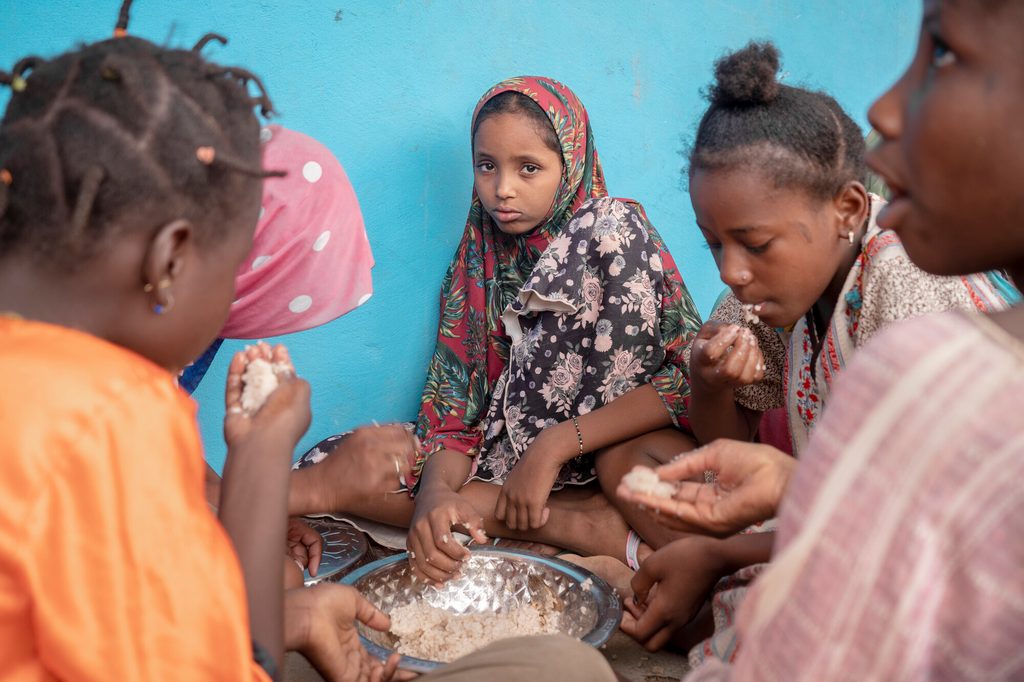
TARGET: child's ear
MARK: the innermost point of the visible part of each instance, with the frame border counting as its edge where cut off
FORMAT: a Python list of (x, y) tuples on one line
[(166, 256), (852, 206)]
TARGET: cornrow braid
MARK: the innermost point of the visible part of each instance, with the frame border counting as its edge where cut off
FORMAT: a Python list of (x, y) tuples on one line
[(797, 137), (202, 42), (5, 182), (103, 139), (121, 28), (266, 106)]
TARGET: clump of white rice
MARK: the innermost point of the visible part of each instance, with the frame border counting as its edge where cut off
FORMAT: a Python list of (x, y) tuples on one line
[(750, 315), (645, 480), (259, 380), (427, 632)]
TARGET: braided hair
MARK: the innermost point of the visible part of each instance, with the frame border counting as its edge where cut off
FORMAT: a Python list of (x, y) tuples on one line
[(123, 135), (798, 138)]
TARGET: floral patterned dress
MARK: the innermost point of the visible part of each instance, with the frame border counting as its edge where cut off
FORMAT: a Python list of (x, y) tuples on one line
[(585, 329), (537, 328)]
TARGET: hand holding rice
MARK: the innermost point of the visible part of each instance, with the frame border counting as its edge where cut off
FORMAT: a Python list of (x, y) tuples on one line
[(645, 481), (262, 377), (259, 381)]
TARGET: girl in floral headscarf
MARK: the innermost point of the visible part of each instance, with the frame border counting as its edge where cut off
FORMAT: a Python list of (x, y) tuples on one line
[(563, 321)]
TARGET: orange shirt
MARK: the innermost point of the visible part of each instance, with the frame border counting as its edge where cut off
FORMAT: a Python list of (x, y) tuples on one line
[(111, 565)]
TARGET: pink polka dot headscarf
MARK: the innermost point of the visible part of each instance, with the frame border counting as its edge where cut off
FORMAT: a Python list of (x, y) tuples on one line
[(311, 261)]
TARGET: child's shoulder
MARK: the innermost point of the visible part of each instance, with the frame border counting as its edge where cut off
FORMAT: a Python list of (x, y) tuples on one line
[(611, 206), (604, 216), (68, 384)]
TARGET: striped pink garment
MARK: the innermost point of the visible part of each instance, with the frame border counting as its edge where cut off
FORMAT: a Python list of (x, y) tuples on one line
[(901, 540)]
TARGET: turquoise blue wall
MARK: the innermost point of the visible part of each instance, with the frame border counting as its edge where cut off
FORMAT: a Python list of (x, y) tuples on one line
[(389, 87)]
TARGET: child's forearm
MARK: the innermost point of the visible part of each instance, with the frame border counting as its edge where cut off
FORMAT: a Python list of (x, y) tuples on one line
[(212, 488), (445, 470), (740, 551), (715, 414), (635, 413), (253, 511)]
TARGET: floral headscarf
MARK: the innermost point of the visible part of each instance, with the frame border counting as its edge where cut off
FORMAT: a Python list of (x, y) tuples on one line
[(487, 272)]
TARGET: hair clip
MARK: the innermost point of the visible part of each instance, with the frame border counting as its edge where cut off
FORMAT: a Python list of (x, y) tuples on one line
[(6, 177), (18, 84), (206, 155)]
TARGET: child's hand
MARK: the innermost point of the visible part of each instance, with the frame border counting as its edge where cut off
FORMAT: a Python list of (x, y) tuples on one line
[(522, 503), (751, 480), (285, 415), (320, 623), (305, 546), (433, 553), (369, 462), (726, 356), (669, 589)]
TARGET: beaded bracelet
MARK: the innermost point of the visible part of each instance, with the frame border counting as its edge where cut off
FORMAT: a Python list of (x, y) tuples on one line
[(579, 435)]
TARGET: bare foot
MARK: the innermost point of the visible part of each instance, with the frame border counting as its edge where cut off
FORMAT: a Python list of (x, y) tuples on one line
[(613, 571), (526, 545), (597, 526)]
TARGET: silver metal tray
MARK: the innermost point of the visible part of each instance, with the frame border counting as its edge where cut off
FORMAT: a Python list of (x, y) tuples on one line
[(344, 546), (493, 579)]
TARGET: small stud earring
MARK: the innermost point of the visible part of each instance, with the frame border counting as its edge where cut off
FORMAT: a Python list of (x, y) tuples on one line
[(850, 237), (161, 308)]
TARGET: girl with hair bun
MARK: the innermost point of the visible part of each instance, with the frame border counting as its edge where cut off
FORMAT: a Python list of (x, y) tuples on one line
[(777, 183)]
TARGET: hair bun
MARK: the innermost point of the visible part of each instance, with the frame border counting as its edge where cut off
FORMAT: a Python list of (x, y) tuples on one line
[(747, 77)]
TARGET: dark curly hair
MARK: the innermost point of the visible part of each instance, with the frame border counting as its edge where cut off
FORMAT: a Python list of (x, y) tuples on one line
[(123, 135), (797, 137), (511, 102)]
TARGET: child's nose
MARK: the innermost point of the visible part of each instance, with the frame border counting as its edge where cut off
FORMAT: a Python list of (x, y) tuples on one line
[(734, 272), (886, 114), (506, 186)]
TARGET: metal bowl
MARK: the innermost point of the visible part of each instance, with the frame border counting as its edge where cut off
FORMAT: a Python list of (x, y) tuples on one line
[(493, 579), (344, 546)]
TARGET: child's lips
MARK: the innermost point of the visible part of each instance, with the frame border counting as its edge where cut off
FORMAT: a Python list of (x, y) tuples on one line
[(507, 215), (895, 210), (893, 214)]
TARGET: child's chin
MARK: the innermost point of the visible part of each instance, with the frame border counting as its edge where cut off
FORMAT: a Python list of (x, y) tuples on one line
[(514, 229)]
